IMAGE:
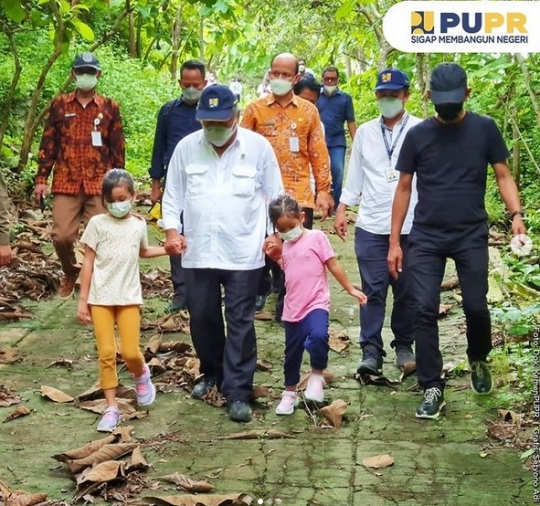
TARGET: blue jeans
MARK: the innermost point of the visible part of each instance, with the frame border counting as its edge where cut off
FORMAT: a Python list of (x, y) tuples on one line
[(337, 165), (371, 253), (311, 334)]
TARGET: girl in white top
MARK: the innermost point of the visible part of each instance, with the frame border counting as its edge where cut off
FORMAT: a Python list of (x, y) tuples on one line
[(111, 290)]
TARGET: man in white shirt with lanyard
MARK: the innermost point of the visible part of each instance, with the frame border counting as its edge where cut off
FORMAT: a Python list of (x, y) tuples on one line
[(221, 178), (371, 181)]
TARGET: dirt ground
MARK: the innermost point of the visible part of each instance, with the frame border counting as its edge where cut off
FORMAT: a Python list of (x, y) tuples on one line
[(444, 462)]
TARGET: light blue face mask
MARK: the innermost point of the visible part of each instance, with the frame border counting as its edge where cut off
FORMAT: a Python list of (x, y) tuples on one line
[(390, 107), (119, 209), (292, 235)]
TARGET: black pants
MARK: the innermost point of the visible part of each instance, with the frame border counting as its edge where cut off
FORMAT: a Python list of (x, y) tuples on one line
[(428, 251), (230, 356), (371, 254), (272, 270), (178, 277)]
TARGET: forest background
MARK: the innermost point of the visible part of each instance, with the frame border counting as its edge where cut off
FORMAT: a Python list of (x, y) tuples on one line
[(142, 43)]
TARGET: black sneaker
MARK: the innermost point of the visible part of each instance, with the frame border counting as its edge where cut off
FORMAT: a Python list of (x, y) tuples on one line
[(481, 382), (203, 387), (432, 405), (370, 365), (176, 305), (240, 411), (405, 356), (260, 302)]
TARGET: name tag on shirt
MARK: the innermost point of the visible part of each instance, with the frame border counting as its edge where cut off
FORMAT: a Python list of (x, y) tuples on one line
[(294, 144), (96, 138), (391, 175)]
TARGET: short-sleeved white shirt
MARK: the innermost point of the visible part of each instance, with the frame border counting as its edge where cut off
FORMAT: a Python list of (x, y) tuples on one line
[(117, 242)]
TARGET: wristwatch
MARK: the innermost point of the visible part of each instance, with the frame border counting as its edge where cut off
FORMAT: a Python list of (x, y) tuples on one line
[(515, 213)]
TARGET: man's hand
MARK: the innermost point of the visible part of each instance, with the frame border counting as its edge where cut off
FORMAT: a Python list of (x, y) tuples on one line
[(340, 223), (272, 246), (324, 202), (5, 254), (175, 244), (395, 260), (518, 227), (40, 191), (155, 193)]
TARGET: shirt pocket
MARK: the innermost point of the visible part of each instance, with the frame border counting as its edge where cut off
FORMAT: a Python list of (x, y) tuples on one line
[(196, 179), (243, 181)]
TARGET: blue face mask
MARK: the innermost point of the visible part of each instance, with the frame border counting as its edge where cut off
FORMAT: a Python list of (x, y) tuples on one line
[(292, 235), (119, 209)]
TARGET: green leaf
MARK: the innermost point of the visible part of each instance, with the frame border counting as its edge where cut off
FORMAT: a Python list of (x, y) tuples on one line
[(345, 9), (14, 10), (525, 455), (83, 29)]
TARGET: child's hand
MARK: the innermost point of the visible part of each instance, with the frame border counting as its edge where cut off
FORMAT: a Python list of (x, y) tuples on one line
[(361, 296), (83, 313), (273, 247)]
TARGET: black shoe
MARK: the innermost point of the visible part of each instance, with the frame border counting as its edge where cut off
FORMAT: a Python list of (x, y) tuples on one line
[(240, 411), (177, 304), (370, 365), (405, 356), (481, 382), (432, 404), (203, 387), (260, 301)]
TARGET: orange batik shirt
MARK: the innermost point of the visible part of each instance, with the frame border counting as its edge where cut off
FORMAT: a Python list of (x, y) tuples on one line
[(69, 146), (300, 119)]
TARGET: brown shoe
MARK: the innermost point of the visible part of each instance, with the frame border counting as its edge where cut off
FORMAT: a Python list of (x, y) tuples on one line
[(67, 285)]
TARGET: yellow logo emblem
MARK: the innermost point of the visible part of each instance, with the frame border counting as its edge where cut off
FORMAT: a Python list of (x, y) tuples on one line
[(422, 22), (213, 102)]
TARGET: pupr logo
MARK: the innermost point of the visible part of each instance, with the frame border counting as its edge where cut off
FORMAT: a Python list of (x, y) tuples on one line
[(422, 22)]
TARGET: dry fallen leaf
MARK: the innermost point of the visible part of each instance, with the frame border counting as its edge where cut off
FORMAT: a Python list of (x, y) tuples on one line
[(102, 472), (450, 283), (123, 434), (509, 416), (137, 460), (260, 391), (264, 316), (18, 412), (55, 395), (378, 462), (126, 407), (255, 434), (177, 346), (86, 450), (338, 341), (153, 344), (444, 309), (7, 397), (201, 500), (17, 498), (372, 379), (189, 485), (63, 362), (334, 413), (107, 452), (9, 356), (264, 366), (407, 370)]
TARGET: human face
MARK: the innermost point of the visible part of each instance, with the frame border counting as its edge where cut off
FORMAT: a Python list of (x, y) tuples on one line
[(227, 124), (402, 94), (288, 222), (309, 95), (192, 78), (120, 194), (330, 78), (284, 67), (86, 70)]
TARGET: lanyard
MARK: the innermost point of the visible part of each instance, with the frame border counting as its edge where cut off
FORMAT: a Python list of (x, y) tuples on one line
[(390, 149)]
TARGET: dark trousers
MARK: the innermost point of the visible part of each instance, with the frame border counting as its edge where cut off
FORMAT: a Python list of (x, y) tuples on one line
[(371, 254), (178, 277), (428, 251), (230, 356), (311, 334), (272, 271), (337, 167)]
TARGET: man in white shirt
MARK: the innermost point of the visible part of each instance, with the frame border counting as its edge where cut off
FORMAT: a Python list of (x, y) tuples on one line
[(221, 178), (372, 176)]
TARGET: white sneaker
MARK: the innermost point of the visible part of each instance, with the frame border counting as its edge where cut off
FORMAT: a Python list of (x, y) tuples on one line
[(146, 392), (288, 403), (315, 388)]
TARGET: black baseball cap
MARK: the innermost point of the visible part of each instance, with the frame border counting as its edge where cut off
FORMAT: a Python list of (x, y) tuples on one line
[(217, 103), (86, 60), (448, 84)]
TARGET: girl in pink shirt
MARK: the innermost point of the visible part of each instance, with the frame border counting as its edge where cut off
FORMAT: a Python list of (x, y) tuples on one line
[(304, 257)]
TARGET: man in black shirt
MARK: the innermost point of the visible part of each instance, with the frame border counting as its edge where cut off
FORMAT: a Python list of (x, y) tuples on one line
[(449, 154)]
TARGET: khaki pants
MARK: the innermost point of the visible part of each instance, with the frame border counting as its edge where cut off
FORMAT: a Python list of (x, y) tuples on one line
[(68, 211)]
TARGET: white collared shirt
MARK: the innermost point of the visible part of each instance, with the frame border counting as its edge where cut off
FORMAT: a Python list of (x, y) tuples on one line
[(372, 177), (224, 199)]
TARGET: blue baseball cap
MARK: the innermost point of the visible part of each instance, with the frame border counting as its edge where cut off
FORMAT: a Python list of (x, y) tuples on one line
[(391, 79), (217, 103), (448, 84)]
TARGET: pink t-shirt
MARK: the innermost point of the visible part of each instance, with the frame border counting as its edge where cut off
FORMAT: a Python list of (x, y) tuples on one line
[(306, 281)]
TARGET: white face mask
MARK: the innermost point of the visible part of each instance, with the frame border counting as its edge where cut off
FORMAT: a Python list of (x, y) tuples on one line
[(390, 107), (86, 82), (280, 87), (119, 209), (330, 90), (218, 135), (301, 68), (191, 94), (292, 235)]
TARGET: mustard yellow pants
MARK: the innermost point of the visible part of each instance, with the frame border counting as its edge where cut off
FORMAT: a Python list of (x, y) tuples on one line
[(128, 320)]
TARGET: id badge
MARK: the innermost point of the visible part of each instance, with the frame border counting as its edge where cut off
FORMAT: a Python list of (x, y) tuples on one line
[(96, 138), (294, 144), (391, 175)]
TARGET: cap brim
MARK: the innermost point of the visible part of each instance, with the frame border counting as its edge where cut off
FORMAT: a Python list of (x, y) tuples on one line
[(448, 97), (390, 87), (86, 65), (224, 115)]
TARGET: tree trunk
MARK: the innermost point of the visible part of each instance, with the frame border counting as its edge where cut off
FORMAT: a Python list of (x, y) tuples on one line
[(201, 40), (175, 40), (516, 165), (138, 41), (528, 85), (132, 42), (6, 110), (422, 71)]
